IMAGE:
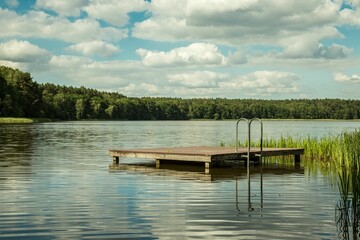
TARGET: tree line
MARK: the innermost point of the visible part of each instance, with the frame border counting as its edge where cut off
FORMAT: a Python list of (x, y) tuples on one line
[(20, 96)]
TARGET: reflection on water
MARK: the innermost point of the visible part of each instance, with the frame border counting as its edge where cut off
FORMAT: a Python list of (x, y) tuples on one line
[(348, 206), (235, 173), (55, 184), (196, 171), (16, 145)]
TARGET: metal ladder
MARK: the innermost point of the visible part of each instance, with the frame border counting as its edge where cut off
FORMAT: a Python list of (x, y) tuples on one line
[(249, 122)]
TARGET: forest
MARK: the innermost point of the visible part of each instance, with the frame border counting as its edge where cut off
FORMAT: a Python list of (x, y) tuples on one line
[(21, 96)]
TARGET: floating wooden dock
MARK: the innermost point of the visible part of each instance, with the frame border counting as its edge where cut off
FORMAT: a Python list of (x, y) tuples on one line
[(208, 155), (211, 156)]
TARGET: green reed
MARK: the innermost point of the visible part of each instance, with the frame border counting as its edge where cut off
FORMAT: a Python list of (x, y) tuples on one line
[(342, 150), (347, 212)]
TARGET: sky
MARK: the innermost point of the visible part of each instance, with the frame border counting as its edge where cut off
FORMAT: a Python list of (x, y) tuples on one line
[(260, 49)]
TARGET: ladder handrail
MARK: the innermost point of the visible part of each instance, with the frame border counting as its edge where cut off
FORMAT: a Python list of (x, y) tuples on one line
[(237, 131), (249, 122), (261, 134)]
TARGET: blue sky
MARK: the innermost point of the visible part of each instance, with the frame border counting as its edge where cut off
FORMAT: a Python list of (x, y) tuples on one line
[(269, 49)]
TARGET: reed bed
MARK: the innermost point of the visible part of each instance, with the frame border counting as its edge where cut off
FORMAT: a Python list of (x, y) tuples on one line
[(342, 150)]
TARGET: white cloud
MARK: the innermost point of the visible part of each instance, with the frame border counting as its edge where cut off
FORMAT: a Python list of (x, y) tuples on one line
[(139, 90), (179, 9), (198, 79), (194, 54), (262, 83), (114, 11), (68, 62), (39, 24), (332, 52), (308, 49), (238, 23), (341, 77), (307, 44), (237, 58), (302, 48), (195, 92), (104, 75), (165, 29), (65, 8), (22, 51), (216, 6), (16, 65), (98, 48)]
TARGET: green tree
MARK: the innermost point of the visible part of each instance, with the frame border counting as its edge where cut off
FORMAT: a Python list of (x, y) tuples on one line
[(96, 107), (110, 111), (80, 108)]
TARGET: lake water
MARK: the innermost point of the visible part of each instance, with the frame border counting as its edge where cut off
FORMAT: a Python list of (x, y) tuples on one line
[(55, 184)]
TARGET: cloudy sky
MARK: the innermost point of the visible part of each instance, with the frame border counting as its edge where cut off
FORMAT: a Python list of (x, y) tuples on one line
[(270, 49)]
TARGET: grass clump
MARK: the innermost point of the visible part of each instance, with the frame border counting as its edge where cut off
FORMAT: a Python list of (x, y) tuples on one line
[(349, 150), (10, 120)]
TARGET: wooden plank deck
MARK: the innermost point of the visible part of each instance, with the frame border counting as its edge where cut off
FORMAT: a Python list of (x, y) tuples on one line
[(205, 154)]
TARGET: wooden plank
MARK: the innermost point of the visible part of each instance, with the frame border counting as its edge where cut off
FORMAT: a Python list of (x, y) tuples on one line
[(203, 153), (161, 156)]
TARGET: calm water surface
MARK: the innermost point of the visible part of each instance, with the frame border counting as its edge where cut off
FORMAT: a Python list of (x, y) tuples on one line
[(55, 184)]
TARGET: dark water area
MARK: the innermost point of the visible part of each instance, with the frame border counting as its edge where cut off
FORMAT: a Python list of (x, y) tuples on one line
[(55, 184)]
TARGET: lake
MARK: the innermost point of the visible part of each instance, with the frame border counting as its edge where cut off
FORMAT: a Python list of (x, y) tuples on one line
[(55, 183)]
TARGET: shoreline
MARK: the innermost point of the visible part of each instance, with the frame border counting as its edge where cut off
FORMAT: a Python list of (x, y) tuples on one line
[(15, 120)]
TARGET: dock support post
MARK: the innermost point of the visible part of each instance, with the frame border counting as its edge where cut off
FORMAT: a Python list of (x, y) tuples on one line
[(116, 160), (157, 163), (297, 158), (207, 167)]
